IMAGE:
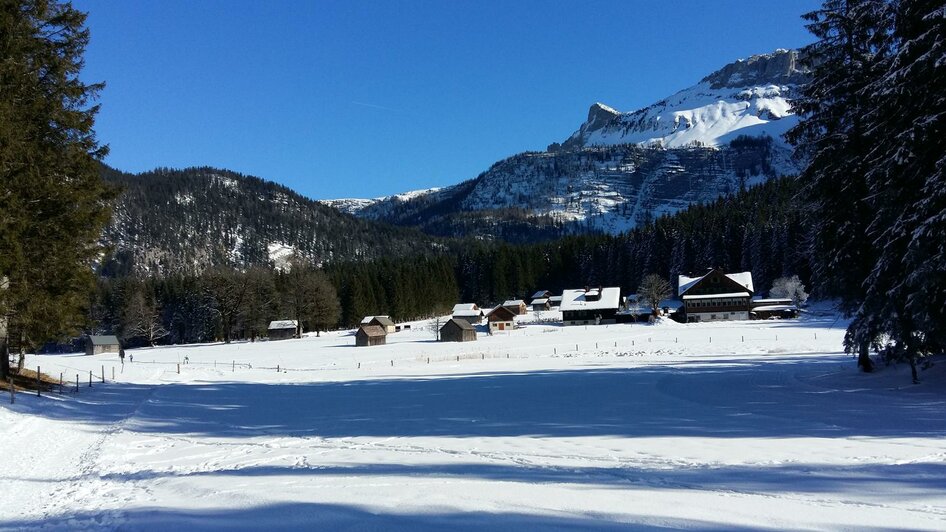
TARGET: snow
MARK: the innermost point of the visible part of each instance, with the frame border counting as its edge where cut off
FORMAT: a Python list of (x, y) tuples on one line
[(730, 425), (280, 255), (283, 324)]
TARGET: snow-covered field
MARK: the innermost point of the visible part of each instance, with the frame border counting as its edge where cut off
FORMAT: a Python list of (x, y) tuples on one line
[(748, 425)]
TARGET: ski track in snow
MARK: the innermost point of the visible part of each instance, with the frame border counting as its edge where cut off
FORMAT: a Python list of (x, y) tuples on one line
[(667, 425)]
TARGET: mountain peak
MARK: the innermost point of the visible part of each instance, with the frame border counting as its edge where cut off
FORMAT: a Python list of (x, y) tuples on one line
[(781, 67)]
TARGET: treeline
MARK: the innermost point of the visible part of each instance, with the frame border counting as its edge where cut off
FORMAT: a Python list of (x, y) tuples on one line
[(759, 230)]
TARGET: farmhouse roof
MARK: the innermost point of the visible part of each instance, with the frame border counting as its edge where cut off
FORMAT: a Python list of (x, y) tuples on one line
[(541, 301), (372, 330), (282, 324), (381, 320), (513, 302), (502, 313), (463, 324), (103, 340), (540, 294), (742, 278), (610, 298)]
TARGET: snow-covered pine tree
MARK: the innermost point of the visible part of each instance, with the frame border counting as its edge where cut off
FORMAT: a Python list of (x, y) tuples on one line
[(853, 42), (905, 303)]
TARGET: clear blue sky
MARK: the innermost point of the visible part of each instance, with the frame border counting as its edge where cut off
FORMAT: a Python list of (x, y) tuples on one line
[(367, 98)]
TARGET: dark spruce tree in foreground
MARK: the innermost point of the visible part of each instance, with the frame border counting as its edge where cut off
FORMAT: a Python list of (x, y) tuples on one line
[(904, 309), (53, 204), (874, 128), (853, 40)]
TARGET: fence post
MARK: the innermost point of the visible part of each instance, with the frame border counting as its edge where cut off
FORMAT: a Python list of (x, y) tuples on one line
[(392, 363), (232, 369), (90, 378), (277, 368), (816, 336), (711, 339), (178, 368), (37, 382), (12, 392), (77, 383), (60, 382), (113, 372), (103, 374), (743, 339), (359, 365)]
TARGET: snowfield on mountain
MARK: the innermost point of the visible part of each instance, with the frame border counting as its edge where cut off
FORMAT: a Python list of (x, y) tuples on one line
[(740, 425)]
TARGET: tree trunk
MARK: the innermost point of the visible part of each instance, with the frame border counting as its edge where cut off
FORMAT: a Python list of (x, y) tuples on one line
[(4, 358), (863, 359), (916, 378)]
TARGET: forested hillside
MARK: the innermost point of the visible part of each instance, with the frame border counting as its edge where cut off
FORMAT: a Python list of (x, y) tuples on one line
[(184, 221)]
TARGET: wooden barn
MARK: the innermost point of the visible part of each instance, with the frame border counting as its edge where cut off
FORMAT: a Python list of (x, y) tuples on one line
[(501, 319), (98, 345), (384, 322), (591, 306), (516, 306), (555, 301), (368, 335), (282, 329), (716, 296), (539, 305), (468, 312), (457, 331), (541, 294)]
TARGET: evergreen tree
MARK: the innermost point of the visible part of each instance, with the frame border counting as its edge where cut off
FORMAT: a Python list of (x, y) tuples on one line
[(53, 204), (904, 312), (853, 43)]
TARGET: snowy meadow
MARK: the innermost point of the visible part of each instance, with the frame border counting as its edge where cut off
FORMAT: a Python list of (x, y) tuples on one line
[(741, 425)]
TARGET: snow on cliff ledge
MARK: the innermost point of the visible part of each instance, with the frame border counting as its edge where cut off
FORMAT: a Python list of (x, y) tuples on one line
[(748, 97)]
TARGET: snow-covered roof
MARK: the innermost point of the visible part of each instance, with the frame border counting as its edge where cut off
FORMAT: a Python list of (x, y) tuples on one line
[(465, 306), (555, 298), (513, 303), (467, 313), (283, 324), (541, 301), (103, 340), (714, 296), (575, 299), (771, 301), (540, 294), (743, 278), (775, 308)]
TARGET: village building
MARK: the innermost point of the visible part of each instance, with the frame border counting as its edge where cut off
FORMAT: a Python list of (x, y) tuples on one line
[(516, 306), (770, 308), (98, 345), (716, 296), (384, 322), (501, 319), (539, 305), (282, 329), (541, 294), (590, 306), (468, 312), (457, 331), (555, 301), (368, 335)]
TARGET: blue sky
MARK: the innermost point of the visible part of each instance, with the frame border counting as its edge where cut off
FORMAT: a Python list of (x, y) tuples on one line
[(368, 98)]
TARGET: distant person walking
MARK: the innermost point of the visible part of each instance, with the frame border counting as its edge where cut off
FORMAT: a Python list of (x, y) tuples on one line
[(121, 355), (131, 358)]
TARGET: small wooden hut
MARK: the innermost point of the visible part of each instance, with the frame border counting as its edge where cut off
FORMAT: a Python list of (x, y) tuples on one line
[(282, 329), (97, 345), (368, 335), (384, 322), (457, 331)]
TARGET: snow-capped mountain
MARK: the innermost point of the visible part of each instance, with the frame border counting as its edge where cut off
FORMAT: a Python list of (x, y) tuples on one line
[(619, 170), (747, 97)]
